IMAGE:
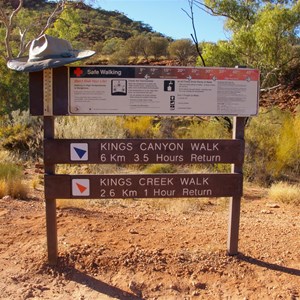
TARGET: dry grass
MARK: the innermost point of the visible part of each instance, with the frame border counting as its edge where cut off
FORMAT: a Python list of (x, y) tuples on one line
[(14, 188), (11, 181), (69, 203), (3, 188), (285, 192)]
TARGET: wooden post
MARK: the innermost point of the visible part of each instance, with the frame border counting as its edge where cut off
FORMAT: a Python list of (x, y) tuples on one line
[(51, 223), (49, 133), (235, 202)]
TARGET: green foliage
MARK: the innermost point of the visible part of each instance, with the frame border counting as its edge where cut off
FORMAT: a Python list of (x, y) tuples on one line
[(138, 127), (263, 35), (138, 45), (101, 25), (88, 127), (68, 26), (10, 171), (80, 24), (221, 54), (112, 45), (158, 46), (11, 181), (208, 129), (288, 150), (262, 140), (160, 168), (13, 90), (21, 134), (183, 50), (119, 57), (237, 10)]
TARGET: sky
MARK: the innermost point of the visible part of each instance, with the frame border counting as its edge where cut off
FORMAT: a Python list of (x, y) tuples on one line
[(168, 18)]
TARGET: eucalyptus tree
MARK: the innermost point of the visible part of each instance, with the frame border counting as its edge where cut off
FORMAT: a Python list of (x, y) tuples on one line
[(262, 34)]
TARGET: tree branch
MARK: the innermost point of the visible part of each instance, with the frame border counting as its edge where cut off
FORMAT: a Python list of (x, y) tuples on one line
[(209, 10), (8, 24), (51, 19), (194, 36), (57, 11)]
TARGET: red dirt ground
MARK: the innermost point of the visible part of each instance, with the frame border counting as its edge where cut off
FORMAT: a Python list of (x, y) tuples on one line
[(160, 249)]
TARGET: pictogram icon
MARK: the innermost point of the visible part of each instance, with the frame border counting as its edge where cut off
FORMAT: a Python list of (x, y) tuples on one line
[(79, 151), (80, 187), (78, 72)]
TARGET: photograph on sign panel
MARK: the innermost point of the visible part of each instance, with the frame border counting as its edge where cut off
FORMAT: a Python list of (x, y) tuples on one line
[(119, 87)]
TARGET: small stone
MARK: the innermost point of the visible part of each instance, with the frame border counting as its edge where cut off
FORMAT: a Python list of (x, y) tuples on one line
[(273, 205), (7, 198), (135, 287), (174, 287), (198, 285), (59, 214), (266, 212)]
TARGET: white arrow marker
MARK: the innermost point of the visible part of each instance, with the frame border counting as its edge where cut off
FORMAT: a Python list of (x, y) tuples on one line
[(79, 152), (80, 187)]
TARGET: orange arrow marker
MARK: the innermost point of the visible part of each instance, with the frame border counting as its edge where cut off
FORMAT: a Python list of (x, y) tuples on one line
[(81, 188)]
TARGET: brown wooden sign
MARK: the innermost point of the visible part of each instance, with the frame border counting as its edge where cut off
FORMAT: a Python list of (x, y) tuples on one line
[(142, 151), (64, 91), (143, 186)]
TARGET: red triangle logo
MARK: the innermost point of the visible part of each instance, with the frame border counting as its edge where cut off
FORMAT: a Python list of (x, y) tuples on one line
[(81, 187)]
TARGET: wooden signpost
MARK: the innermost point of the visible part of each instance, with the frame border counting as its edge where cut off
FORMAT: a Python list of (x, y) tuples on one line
[(136, 90)]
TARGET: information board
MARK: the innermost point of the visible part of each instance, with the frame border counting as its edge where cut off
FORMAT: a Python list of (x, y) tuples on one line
[(150, 90)]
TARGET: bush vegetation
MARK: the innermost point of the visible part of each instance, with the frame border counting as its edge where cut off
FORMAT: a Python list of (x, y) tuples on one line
[(272, 147), (21, 134), (11, 181), (272, 138), (285, 193)]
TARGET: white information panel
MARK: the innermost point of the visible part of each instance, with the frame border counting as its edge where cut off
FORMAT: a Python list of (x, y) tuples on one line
[(151, 90)]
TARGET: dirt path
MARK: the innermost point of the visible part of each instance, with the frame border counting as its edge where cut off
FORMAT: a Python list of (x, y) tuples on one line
[(151, 250)]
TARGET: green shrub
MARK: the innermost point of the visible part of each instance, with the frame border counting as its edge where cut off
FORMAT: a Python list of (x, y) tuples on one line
[(88, 127), (22, 134), (11, 181), (139, 127), (208, 129), (10, 171), (288, 150), (83, 127), (262, 140), (160, 168)]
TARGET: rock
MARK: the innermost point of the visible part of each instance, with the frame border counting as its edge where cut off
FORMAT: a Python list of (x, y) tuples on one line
[(7, 198), (174, 287), (199, 285), (135, 288), (273, 205), (266, 212)]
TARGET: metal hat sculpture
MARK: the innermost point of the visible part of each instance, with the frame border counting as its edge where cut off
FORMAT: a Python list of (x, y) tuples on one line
[(48, 52)]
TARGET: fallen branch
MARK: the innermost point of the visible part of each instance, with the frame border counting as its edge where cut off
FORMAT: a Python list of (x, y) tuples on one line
[(271, 88)]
